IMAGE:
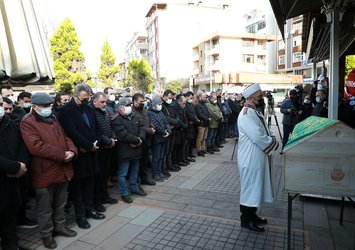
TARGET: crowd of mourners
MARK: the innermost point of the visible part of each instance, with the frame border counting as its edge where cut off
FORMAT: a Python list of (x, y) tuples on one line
[(68, 150)]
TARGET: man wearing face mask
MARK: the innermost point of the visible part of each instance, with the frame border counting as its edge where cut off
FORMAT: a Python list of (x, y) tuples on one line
[(140, 112), (192, 121), (60, 99), (24, 101), (14, 161), (130, 133), (162, 132), (107, 142), (79, 122), (111, 106), (320, 104), (17, 113), (256, 143), (290, 114), (216, 117), (168, 110), (306, 108), (51, 167)]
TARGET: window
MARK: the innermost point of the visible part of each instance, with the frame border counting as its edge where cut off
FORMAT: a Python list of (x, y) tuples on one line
[(248, 58), (201, 69), (251, 29), (281, 60), (297, 26), (281, 44), (200, 53), (247, 43), (261, 44), (261, 60), (297, 57), (297, 41), (261, 25)]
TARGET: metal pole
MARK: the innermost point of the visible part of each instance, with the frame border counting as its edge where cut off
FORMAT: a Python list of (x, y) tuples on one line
[(289, 218), (210, 66), (334, 65), (314, 71)]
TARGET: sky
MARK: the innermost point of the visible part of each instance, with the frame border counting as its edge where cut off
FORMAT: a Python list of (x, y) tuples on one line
[(116, 20)]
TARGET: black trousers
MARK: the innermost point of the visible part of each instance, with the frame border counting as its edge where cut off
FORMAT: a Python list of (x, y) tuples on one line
[(248, 214), (169, 146), (144, 163), (82, 190), (105, 161), (8, 221), (287, 131), (24, 183)]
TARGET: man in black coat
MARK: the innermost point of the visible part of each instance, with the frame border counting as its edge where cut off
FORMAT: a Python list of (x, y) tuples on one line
[(107, 142), (168, 109), (202, 129), (79, 122), (13, 161), (192, 123), (130, 133)]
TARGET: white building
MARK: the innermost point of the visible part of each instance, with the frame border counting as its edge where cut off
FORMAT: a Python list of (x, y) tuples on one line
[(222, 59), (173, 28), (137, 48)]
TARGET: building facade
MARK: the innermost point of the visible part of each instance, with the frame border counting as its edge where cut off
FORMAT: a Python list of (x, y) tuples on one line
[(172, 30), (137, 48)]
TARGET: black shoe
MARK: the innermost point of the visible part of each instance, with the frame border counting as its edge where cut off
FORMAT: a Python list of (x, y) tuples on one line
[(127, 199), (216, 149), (49, 242), (205, 152), (192, 156), (83, 223), (220, 146), (183, 164), (253, 226), (177, 167), (186, 161), (167, 174), (164, 176), (158, 178), (27, 223), (210, 152), (64, 231), (95, 215), (200, 154), (191, 159), (259, 220), (140, 192), (148, 182), (100, 208), (172, 169), (109, 200)]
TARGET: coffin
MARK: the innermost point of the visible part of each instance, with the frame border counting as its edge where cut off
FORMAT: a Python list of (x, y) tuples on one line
[(319, 158)]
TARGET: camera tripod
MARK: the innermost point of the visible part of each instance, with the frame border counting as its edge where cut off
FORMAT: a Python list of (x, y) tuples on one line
[(269, 113)]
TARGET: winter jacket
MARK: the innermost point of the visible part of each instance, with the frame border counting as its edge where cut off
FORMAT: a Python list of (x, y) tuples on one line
[(71, 117), (216, 115), (288, 119), (180, 131), (160, 124), (127, 130), (12, 151), (47, 143), (192, 121), (104, 123), (170, 114), (202, 114), (144, 119)]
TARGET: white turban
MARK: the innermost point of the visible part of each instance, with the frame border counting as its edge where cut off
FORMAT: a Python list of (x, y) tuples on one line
[(248, 91)]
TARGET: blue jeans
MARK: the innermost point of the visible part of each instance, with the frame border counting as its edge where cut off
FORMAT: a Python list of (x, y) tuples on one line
[(211, 137), (157, 158), (123, 166)]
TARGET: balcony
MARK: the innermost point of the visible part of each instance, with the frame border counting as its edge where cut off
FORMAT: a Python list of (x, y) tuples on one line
[(195, 57), (214, 50)]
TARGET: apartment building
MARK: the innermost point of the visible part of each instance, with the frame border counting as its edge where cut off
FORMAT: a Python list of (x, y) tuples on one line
[(136, 48), (223, 59), (172, 29)]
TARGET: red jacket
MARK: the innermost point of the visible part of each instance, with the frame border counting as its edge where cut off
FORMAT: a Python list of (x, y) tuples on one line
[(47, 143)]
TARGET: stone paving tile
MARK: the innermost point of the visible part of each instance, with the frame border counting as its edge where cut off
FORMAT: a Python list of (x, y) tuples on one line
[(79, 245), (147, 217), (161, 204), (178, 231), (132, 211)]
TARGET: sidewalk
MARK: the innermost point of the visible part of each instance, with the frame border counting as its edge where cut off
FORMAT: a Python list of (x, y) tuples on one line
[(197, 208)]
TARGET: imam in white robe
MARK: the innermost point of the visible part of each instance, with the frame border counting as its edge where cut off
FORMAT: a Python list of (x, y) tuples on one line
[(255, 144)]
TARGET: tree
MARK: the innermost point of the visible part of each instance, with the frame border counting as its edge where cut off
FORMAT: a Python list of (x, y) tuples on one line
[(68, 60), (349, 65), (140, 76), (174, 85), (108, 69)]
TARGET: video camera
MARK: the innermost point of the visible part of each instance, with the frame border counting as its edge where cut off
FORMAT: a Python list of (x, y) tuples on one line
[(270, 98)]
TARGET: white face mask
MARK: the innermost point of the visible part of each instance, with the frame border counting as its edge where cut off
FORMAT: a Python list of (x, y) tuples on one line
[(112, 98), (169, 101), (26, 105), (214, 101), (189, 101), (2, 112), (128, 110), (318, 99), (45, 112), (158, 107)]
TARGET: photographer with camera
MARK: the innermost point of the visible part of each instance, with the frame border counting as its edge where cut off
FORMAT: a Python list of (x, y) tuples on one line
[(290, 114)]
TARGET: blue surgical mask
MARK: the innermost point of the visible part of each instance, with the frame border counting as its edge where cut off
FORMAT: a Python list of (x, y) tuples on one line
[(318, 100), (189, 101), (45, 112), (158, 108)]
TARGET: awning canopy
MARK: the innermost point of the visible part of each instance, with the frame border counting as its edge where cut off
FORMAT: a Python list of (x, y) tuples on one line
[(24, 56), (316, 28)]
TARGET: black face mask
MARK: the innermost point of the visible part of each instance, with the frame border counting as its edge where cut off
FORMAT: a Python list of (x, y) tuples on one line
[(141, 106), (84, 102)]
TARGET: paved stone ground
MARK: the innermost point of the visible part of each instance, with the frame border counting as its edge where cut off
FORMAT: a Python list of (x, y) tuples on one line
[(198, 208)]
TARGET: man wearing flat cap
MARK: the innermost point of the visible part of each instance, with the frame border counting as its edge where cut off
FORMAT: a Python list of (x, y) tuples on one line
[(255, 144), (51, 154)]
